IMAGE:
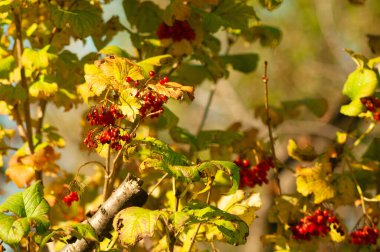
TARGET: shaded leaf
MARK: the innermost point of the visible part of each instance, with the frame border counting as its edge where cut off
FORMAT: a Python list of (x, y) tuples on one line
[(373, 150), (220, 224), (235, 14), (271, 4), (6, 66), (244, 63), (374, 43), (82, 20), (267, 35), (301, 154), (318, 106)]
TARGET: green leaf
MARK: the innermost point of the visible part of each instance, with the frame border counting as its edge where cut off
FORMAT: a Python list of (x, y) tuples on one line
[(145, 16), (284, 210), (229, 168), (135, 223), (301, 154), (82, 20), (37, 59), (114, 50), (241, 204), (267, 35), (221, 137), (192, 74), (374, 43), (315, 180), (271, 4), (6, 66), (244, 63), (345, 190), (373, 150), (181, 135), (12, 229), (84, 231), (12, 94), (212, 22), (148, 64), (42, 89), (318, 106), (5, 5), (235, 14), (221, 225), (360, 83), (25, 209)]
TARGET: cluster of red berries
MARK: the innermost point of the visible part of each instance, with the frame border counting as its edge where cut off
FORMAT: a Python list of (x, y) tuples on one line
[(180, 30), (104, 115), (316, 225), (372, 104), (69, 198), (152, 104), (108, 133), (364, 236), (253, 175)]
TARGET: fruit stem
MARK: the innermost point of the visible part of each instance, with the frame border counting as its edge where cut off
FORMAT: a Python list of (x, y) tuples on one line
[(157, 184), (268, 122), (370, 128)]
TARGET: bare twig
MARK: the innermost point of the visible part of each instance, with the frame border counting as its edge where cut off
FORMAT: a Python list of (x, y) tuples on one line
[(158, 183), (268, 122)]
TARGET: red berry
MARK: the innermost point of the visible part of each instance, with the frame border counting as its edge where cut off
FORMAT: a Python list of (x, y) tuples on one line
[(166, 79), (152, 73), (128, 79), (162, 82)]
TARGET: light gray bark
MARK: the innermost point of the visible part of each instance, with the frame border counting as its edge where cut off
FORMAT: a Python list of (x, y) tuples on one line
[(129, 193)]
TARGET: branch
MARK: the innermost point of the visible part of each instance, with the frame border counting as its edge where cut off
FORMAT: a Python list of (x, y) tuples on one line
[(129, 193), (268, 122)]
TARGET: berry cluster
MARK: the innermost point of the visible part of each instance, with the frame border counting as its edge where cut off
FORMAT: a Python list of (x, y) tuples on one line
[(180, 30), (316, 225), (107, 133), (372, 104), (152, 103), (104, 116), (253, 175), (69, 198), (364, 236)]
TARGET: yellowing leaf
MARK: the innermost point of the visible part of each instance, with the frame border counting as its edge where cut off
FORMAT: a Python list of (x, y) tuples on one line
[(42, 89), (135, 223), (129, 105), (37, 59), (301, 154), (21, 175), (315, 180)]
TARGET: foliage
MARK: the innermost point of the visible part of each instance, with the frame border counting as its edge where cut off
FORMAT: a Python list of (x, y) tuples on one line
[(195, 192)]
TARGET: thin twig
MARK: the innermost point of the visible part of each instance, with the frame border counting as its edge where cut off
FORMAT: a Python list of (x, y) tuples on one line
[(107, 174), (370, 128), (157, 184), (207, 108), (268, 121)]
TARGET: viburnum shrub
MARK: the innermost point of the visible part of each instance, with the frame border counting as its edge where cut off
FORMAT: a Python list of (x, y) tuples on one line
[(150, 184)]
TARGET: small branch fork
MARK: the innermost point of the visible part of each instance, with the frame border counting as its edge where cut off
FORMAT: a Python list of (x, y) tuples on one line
[(268, 122)]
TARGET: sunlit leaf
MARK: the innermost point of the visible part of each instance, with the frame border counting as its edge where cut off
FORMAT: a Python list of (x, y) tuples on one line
[(23, 210), (135, 223), (315, 180)]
